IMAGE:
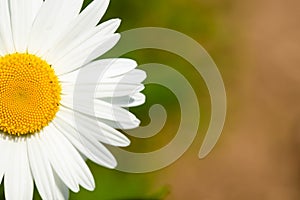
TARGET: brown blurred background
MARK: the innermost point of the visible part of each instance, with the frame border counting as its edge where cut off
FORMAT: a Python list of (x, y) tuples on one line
[(258, 156)]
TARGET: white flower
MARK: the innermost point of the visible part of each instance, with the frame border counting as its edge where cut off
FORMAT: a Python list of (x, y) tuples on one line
[(46, 130)]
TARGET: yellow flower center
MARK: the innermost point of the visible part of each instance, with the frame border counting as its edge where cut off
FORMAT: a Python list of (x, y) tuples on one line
[(29, 94)]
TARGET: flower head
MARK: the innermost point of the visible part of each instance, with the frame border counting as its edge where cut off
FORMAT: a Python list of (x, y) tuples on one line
[(43, 47)]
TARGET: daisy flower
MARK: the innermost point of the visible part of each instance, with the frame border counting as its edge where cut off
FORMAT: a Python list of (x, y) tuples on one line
[(44, 45)]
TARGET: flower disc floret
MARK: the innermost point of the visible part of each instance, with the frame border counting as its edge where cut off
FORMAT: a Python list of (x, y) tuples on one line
[(29, 94)]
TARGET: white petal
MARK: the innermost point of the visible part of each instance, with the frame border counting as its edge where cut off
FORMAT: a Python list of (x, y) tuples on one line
[(116, 77), (127, 101), (112, 67), (118, 86), (5, 27), (86, 20), (90, 148), (103, 110), (23, 13), (53, 16), (2, 47), (59, 163), (104, 68), (18, 182), (103, 90), (41, 168), (88, 126), (66, 161), (62, 191), (5, 155), (116, 89), (96, 34), (83, 54), (35, 7), (134, 76), (103, 48), (124, 125)]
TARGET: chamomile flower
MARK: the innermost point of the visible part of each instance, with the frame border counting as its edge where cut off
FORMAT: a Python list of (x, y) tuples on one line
[(44, 45)]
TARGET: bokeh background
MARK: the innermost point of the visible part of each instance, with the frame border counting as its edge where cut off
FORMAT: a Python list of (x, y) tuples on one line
[(255, 44)]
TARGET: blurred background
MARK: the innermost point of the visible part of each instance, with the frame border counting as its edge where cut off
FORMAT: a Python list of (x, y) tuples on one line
[(255, 45)]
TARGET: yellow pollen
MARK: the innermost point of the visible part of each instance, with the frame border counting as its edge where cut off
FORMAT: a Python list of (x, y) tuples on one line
[(29, 94)]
